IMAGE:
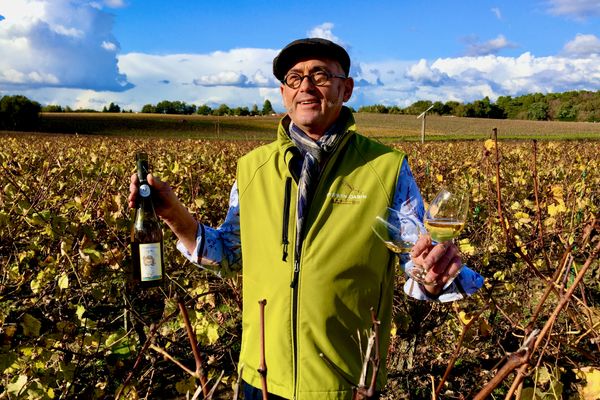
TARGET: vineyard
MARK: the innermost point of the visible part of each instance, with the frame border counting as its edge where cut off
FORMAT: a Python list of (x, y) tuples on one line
[(70, 327)]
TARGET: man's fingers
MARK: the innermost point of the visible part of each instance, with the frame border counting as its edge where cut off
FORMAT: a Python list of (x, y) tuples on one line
[(437, 253), (155, 182), (422, 244), (454, 267), (133, 189), (439, 262), (440, 256)]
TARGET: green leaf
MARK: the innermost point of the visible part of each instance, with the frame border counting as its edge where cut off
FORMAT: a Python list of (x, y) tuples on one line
[(31, 326), (119, 344)]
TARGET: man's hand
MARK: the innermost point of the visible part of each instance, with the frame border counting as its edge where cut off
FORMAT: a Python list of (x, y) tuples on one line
[(169, 209), (163, 198), (441, 261)]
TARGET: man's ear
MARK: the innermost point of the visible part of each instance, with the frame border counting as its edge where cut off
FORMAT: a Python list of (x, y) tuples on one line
[(348, 88), (281, 93)]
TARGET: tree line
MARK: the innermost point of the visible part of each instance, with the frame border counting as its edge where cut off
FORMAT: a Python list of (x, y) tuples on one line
[(20, 113), (180, 107), (568, 106)]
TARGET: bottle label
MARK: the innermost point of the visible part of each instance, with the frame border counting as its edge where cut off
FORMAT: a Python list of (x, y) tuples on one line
[(150, 262), (144, 190)]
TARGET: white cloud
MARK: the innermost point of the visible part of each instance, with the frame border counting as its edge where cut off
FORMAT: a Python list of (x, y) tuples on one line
[(578, 9), (422, 72), (492, 46), (77, 71), (109, 46), (497, 12), (60, 43), (114, 3), (583, 45), (324, 31), (211, 79), (239, 77)]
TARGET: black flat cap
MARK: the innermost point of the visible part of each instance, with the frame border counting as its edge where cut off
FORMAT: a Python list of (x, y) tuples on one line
[(303, 49)]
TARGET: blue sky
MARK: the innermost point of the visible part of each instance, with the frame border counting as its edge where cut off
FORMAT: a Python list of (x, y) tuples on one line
[(86, 54)]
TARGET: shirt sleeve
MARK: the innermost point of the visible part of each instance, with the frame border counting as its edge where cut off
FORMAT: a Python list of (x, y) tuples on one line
[(408, 199), (219, 249)]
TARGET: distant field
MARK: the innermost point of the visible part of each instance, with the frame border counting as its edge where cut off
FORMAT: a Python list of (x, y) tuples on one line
[(384, 126)]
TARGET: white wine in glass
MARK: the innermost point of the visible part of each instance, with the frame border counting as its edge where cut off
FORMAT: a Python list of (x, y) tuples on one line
[(446, 216), (399, 230), (394, 231), (442, 229), (444, 219)]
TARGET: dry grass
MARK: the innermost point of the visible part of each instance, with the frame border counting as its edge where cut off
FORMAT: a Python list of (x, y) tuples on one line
[(384, 126)]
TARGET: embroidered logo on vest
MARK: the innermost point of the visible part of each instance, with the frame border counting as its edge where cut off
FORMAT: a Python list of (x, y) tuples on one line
[(347, 194)]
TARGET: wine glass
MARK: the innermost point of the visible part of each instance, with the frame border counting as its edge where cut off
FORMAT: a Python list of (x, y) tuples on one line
[(399, 230), (446, 216)]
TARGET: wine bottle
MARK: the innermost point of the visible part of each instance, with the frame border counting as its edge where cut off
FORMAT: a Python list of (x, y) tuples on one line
[(146, 234)]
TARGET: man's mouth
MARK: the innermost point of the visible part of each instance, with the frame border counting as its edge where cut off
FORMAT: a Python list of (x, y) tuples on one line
[(306, 102)]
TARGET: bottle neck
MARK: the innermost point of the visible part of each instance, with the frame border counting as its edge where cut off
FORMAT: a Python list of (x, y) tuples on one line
[(145, 197)]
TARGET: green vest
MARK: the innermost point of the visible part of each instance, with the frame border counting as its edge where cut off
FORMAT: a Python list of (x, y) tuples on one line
[(345, 270)]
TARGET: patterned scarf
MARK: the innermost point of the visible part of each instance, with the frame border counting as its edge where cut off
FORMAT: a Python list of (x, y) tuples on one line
[(315, 156)]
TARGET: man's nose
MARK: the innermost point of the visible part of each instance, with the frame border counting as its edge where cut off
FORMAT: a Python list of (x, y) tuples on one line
[(306, 83)]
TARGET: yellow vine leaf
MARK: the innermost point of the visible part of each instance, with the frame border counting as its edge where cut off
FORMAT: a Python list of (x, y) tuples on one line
[(63, 281), (212, 334), (557, 193), (591, 390), (464, 317), (484, 328), (466, 247), (489, 144), (555, 209), (522, 217)]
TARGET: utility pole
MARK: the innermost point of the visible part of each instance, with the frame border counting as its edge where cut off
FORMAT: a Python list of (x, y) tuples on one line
[(423, 115)]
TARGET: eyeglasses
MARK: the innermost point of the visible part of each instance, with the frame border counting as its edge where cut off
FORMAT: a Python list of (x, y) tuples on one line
[(317, 78)]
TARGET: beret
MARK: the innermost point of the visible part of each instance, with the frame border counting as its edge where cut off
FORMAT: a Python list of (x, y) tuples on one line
[(303, 49)]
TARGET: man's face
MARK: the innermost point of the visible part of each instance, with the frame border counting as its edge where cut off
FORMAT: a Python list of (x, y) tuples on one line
[(315, 108)]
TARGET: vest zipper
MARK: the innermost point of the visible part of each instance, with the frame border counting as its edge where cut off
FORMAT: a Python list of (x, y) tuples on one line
[(286, 218)]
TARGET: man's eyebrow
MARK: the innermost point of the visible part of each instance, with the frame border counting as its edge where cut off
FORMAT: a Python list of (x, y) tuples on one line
[(313, 69)]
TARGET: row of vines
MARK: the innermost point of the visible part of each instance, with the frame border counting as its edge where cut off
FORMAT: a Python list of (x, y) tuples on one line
[(70, 327)]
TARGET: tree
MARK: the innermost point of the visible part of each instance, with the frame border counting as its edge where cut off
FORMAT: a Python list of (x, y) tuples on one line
[(18, 113), (112, 108), (267, 108), (452, 107), (165, 107), (175, 107), (538, 111), (204, 110), (241, 111), (567, 112), (148, 108), (440, 108), (418, 107), (254, 110), (375, 108), (222, 110), (52, 108)]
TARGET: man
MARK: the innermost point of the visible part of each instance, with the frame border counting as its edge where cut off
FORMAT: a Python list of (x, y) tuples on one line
[(299, 223)]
